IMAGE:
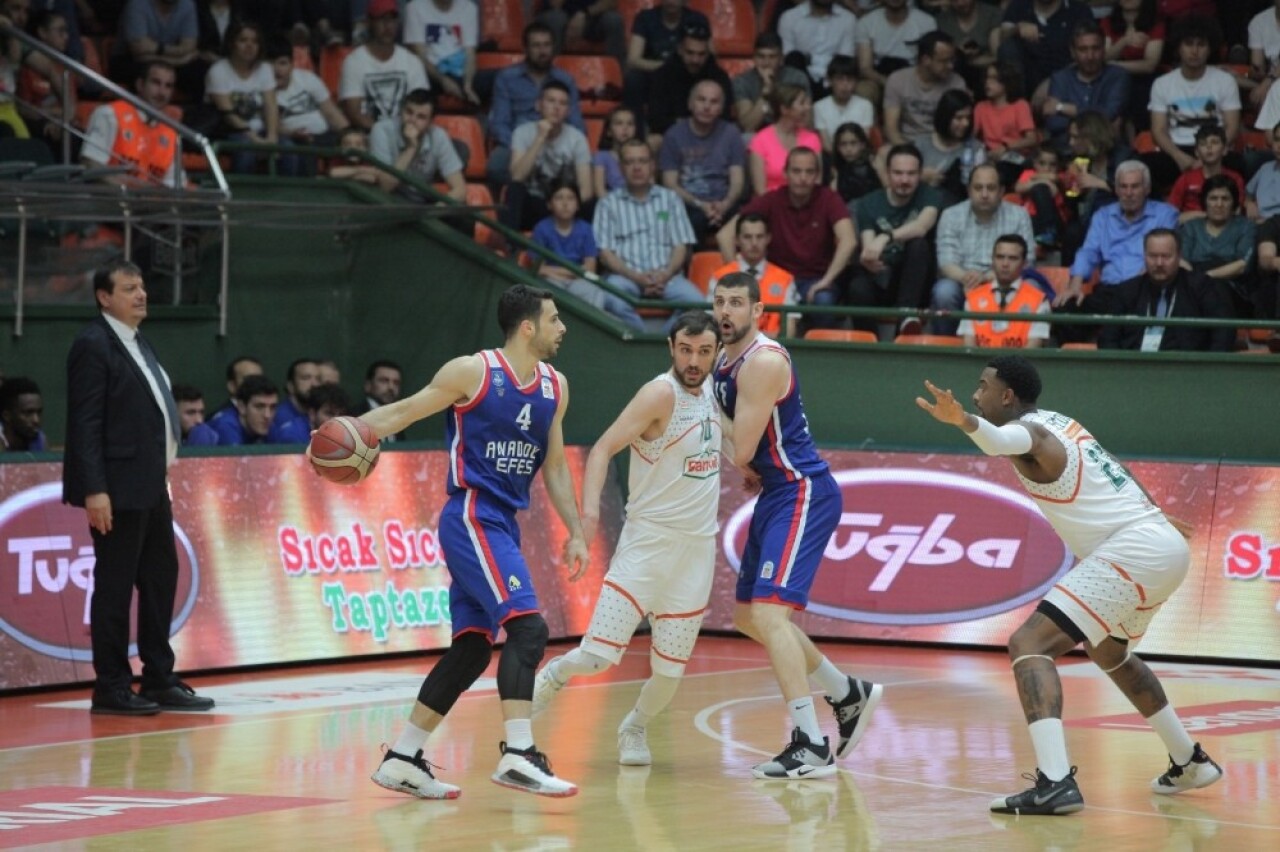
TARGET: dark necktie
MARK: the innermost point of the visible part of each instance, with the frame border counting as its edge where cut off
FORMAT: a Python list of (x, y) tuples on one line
[(149, 356), (1003, 294), (1162, 304), (754, 272)]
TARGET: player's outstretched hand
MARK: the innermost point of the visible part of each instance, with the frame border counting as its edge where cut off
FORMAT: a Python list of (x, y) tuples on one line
[(1185, 529), (945, 408), (575, 557)]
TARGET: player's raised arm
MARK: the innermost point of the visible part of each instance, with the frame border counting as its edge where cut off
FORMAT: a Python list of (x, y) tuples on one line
[(1011, 439), (763, 380), (555, 475), (454, 382), (649, 409)]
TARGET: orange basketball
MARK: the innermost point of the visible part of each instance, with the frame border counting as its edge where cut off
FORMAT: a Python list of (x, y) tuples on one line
[(344, 450)]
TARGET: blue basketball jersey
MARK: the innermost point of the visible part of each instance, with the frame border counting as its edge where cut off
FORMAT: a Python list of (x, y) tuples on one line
[(786, 451), (498, 438)]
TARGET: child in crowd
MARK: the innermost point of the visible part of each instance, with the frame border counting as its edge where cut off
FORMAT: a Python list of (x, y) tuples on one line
[(353, 168), (1003, 121), (853, 171), (1041, 190), (1211, 147), (842, 106), (566, 236), (606, 172)]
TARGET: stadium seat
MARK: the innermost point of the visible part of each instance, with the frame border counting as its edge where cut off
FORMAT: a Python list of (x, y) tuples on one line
[(466, 129), (84, 109), (502, 23), (929, 340), (1080, 345), (1057, 276), (735, 65), (497, 61), (841, 335), (302, 57), (331, 67), (704, 263), (92, 58), (478, 195), (1252, 140), (599, 81), (764, 20), (1144, 143)]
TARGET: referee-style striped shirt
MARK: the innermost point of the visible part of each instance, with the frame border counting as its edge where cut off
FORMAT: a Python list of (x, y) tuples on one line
[(642, 232)]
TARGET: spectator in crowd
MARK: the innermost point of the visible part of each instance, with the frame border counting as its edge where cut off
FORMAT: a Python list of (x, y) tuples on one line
[(1089, 84), (1007, 292), (897, 223), (813, 32), (352, 167), (21, 410), (290, 424), (308, 116), (1221, 243), (596, 21), (753, 87), (950, 153), (444, 35), (516, 90), (1113, 245), (383, 381), (243, 90), (164, 31), (777, 285), (213, 23), (974, 27), (1269, 114), (1164, 289), (1040, 187), (853, 168), (1264, 52), (671, 84), (767, 154), (195, 432), (1134, 36), (238, 370), (73, 14), (911, 95), (1264, 186), (1189, 97), (1211, 147), (1036, 35), (40, 80), (1267, 293), (326, 402), (327, 371), (1003, 122), (644, 234), (606, 171), (655, 34), (255, 401), (842, 106), (702, 160), (813, 237), (885, 38), (544, 151), (571, 238), (378, 74), (967, 234), (1089, 179), (121, 135), (412, 143)]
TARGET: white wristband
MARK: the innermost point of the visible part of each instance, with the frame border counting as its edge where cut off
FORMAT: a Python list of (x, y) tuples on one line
[(1011, 439)]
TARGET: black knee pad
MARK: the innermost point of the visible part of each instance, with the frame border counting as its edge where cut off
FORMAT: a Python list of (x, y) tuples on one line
[(461, 665), (526, 641)]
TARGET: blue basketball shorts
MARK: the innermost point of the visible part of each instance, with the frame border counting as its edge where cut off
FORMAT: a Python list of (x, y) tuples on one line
[(789, 533)]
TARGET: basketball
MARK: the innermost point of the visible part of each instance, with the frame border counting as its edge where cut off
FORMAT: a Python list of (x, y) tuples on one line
[(343, 450)]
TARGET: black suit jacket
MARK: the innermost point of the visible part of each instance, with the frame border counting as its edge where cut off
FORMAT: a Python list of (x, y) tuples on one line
[(1195, 295), (115, 429)]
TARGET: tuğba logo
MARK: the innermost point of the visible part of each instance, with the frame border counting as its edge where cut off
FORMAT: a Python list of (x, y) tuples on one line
[(46, 574), (922, 547)]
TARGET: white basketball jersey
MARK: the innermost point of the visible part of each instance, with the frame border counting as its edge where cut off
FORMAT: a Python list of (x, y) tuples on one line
[(675, 478), (1095, 496)]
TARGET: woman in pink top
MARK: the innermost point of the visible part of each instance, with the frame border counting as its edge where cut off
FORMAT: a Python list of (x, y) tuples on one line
[(1003, 122), (767, 153)]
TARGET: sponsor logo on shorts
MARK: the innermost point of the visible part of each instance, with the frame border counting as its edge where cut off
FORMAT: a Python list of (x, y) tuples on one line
[(46, 568), (513, 583), (926, 547), (702, 465), (766, 571)]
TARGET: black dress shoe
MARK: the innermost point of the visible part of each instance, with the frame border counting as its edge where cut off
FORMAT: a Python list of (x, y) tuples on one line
[(122, 702), (178, 697)]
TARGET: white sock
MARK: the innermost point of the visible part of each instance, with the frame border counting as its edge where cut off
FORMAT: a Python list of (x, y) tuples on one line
[(1176, 739), (804, 718), (519, 733), (833, 681), (1050, 744), (411, 740)]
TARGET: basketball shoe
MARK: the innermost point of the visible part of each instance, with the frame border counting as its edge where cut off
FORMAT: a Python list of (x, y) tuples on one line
[(412, 775), (545, 687), (1047, 797), (854, 711), (1199, 771), (530, 771), (633, 747), (800, 759)]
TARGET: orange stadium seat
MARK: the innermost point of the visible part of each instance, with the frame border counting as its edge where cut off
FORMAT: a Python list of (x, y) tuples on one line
[(92, 58), (478, 195), (704, 263), (1144, 143), (466, 128), (765, 19), (1092, 345), (929, 340), (840, 335), (502, 22), (331, 66), (302, 57), (599, 81), (735, 65)]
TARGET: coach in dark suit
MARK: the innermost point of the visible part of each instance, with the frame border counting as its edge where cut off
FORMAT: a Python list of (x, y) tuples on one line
[(122, 434)]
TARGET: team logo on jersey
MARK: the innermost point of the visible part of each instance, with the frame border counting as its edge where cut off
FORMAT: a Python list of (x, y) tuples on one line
[(513, 583), (766, 571), (548, 389), (702, 465)]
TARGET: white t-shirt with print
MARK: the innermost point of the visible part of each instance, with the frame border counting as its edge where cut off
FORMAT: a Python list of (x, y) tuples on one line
[(246, 93), (444, 32), (381, 86), (1190, 104), (299, 104)]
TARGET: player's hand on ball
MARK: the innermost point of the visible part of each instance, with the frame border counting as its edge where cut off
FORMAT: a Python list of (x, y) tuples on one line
[(945, 407), (575, 557)]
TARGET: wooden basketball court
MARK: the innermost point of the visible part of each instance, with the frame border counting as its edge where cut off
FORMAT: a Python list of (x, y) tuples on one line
[(285, 761)]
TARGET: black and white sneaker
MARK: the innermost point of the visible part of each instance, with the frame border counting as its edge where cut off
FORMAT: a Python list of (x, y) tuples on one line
[(1199, 771), (800, 759), (854, 711), (1046, 798), (412, 775), (530, 771)]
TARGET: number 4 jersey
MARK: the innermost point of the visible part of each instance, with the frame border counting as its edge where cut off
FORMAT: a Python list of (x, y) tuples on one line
[(1095, 497), (498, 438)]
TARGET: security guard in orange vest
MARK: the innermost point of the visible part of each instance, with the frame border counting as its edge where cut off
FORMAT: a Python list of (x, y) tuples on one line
[(120, 135), (777, 285), (1008, 294)]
